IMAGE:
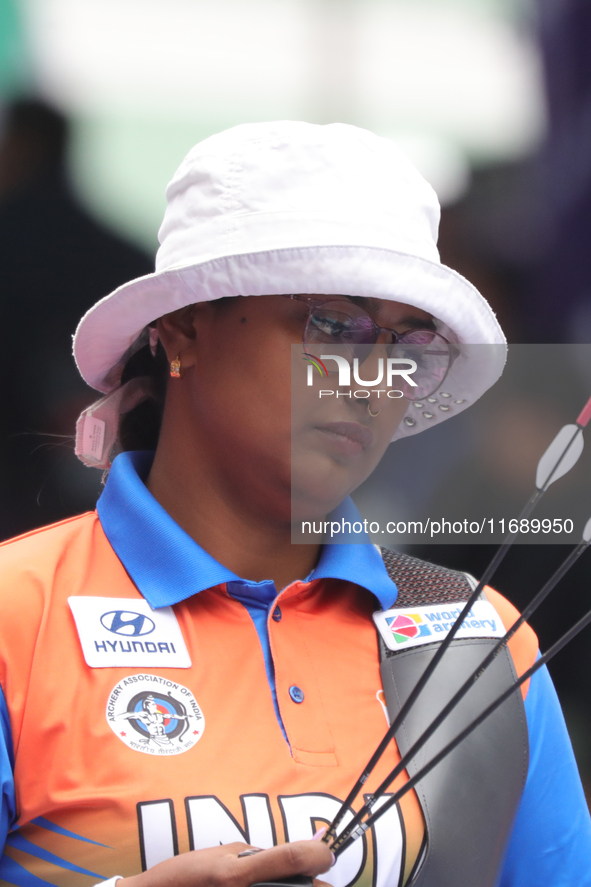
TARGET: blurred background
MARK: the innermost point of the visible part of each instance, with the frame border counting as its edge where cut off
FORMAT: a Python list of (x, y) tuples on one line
[(100, 100)]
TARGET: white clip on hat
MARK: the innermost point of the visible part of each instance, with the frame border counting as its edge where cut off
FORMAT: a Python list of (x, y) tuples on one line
[(290, 207)]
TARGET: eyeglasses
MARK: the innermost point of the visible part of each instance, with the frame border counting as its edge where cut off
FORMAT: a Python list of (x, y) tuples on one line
[(344, 323)]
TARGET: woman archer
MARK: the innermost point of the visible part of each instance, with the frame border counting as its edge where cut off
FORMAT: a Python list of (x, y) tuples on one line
[(275, 235)]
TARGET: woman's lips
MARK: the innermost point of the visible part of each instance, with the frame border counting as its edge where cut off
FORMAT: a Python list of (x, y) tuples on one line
[(349, 438)]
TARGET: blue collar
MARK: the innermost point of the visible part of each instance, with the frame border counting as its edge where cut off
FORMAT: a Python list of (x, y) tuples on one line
[(168, 566)]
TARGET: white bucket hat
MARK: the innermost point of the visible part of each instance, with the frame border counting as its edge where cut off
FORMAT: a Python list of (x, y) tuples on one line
[(291, 207)]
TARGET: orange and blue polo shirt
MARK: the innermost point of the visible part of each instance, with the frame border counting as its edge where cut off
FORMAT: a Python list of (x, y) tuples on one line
[(155, 702)]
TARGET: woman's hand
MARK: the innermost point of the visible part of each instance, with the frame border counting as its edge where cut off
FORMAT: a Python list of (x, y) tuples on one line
[(222, 867)]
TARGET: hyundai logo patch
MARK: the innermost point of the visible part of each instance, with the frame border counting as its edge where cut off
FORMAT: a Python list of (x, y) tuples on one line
[(123, 632)]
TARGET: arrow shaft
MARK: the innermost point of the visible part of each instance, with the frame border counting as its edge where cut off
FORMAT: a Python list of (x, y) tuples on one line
[(554, 649)]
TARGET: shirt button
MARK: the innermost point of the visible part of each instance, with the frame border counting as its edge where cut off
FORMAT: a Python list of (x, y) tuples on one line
[(277, 614), (296, 694)]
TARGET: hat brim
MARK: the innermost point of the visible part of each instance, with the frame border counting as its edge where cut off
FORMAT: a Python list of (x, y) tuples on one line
[(109, 328)]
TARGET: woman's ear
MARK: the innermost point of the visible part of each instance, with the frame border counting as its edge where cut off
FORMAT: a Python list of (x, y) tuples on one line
[(177, 333)]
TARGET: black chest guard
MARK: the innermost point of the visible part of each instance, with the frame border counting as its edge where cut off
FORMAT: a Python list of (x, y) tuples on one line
[(470, 799)]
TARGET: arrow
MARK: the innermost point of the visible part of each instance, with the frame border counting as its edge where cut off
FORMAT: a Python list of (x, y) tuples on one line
[(559, 457)]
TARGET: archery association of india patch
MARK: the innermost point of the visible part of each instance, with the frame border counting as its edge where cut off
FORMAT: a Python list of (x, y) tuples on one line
[(154, 715)]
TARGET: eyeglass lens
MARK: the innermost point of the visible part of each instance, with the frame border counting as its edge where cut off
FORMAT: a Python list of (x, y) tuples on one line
[(338, 324)]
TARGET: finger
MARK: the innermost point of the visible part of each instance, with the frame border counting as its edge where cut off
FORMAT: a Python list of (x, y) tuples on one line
[(299, 858), (318, 883)]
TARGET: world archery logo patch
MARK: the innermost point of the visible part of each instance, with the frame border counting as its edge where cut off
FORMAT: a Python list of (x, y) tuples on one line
[(154, 715), (407, 626)]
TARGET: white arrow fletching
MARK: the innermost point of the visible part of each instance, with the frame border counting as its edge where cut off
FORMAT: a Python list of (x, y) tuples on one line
[(548, 471), (587, 531)]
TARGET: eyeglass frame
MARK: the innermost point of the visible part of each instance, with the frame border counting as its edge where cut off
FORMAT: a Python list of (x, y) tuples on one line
[(316, 302)]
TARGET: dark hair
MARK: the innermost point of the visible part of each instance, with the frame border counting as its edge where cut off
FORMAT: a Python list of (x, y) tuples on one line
[(139, 428)]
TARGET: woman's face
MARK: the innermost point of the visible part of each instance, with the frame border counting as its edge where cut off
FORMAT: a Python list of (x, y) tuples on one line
[(261, 431)]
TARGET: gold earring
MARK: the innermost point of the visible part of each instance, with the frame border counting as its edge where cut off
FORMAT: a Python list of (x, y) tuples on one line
[(175, 368), (373, 415)]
